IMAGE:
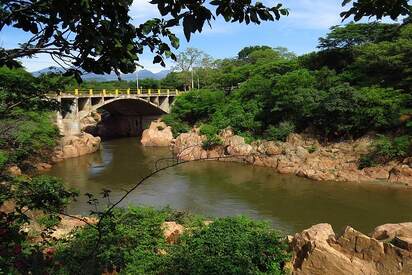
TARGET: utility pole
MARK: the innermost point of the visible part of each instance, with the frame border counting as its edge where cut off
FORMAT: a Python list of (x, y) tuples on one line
[(137, 77)]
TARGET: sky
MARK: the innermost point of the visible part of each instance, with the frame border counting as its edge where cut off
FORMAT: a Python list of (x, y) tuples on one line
[(299, 32)]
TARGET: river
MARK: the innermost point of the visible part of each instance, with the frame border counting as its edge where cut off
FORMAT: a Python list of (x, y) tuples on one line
[(214, 189)]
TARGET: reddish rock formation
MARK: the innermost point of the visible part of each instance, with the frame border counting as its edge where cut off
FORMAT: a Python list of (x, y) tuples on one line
[(14, 171), (75, 146), (158, 134), (318, 250), (172, 231), (304, 157)]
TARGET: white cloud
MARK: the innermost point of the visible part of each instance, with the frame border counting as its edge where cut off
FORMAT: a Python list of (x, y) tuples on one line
[(313, 14), (142, 10)]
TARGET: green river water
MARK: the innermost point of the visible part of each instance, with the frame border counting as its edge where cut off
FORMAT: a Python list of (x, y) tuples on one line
[(215, 189)]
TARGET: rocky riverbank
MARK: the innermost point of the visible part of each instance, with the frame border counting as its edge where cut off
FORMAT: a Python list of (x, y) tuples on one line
[(318, 250), (299, 155)]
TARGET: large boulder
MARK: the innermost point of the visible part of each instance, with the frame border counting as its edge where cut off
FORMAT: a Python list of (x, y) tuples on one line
[(390, 231), (158, 134), (75, 146), (188, 146), (172, 231), (318, 250)]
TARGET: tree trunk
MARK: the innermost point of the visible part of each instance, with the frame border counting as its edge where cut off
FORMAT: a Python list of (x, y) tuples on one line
[(193, 83)]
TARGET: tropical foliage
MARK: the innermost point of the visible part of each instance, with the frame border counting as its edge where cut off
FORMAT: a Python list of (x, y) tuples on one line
[(359, 82)]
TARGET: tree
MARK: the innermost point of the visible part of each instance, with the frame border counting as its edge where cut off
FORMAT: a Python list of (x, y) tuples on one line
[(246, 51), (377, 8), (357, 34), (187, 61), (99, 37)]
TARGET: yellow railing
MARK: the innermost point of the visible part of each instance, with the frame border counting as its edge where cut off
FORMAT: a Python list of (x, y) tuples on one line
[(120, 92)]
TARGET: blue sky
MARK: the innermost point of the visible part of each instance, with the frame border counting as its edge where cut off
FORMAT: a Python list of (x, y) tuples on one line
[(299, 32)]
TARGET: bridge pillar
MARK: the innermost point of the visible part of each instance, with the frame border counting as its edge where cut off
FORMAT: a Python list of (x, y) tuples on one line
[(164, 103)]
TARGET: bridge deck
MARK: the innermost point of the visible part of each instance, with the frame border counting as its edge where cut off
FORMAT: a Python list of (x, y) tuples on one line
[(118, 92)]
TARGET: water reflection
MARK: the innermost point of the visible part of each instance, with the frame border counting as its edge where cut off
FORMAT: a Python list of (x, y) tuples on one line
[(219, 189)]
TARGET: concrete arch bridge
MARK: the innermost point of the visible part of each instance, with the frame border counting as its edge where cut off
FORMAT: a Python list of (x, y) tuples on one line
[(124, 112)]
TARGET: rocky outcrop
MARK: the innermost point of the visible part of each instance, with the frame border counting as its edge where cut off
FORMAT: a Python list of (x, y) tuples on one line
[(301, 156), (318, 250), (158, 134), (172, 231), (14, 171), (75, 146)]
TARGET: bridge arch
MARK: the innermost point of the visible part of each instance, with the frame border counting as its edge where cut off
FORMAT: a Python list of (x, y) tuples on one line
[(137, 109), (125, 106)]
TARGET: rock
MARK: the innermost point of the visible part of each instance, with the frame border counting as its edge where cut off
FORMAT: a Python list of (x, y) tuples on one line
[(301, 153), (158, 134), (269, 148), (390, 231), (362, 146), (14, 171), (408, 161), (75, 146), (318, 250), (68, 224), (188, 146), (403, 242), (295, 140), (172, 231), (42, 166), (226, 133), (381, 173), (401, 174), (333, 162), (236, 146)]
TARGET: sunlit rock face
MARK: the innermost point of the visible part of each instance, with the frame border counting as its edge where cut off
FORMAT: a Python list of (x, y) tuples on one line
[(75, 146), (158, 134), (318, 250)]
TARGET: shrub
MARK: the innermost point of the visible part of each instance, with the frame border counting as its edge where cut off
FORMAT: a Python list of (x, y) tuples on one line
[(366, 161), (385, 149), (212, 139), (178, 126), (312, 149), (131, 240), (281, 132), (212, 142), (3, 159), (229, 246)]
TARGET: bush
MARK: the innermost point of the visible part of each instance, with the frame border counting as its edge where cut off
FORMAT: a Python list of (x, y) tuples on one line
[(386, 149), (212, 139), (3, 159), (281, 132), (208, 130), (178, 126), (131, 241), (229, 246)]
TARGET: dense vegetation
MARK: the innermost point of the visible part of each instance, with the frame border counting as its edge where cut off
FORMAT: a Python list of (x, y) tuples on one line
[(359, 82), (133, 243)]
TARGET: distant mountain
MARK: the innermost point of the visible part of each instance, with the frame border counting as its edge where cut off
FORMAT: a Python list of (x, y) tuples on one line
[(143, 74), (47, 71)]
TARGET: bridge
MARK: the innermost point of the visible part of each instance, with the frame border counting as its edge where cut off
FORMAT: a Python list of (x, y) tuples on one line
[(128, 108)]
